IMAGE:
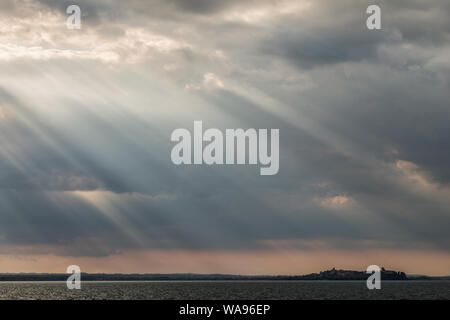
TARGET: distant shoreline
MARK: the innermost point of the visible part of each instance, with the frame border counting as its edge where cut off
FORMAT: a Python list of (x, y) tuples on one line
[(337, 275)]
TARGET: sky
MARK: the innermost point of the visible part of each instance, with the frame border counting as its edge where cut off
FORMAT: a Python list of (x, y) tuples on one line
[(86, 118)]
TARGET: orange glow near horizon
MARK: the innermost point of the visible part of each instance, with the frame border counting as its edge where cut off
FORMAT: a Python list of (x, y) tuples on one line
[(292, 262)]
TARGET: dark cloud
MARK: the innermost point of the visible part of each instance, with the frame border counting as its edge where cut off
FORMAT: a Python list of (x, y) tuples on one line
[(91, 174), (202, 6), (109, 11), (336, 32), (319, 48)]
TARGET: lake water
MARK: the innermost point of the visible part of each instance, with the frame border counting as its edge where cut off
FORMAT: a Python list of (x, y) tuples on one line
[(202, 290)]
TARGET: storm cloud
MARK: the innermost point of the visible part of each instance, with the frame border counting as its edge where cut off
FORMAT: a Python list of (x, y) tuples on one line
[(86, 117)]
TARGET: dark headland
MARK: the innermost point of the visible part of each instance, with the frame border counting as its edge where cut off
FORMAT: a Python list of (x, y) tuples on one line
[(333, 274)]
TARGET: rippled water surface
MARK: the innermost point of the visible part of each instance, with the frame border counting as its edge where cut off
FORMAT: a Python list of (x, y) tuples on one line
[(227, 290)]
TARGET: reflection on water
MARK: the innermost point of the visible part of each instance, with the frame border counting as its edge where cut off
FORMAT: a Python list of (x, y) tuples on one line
[(227, 290)]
